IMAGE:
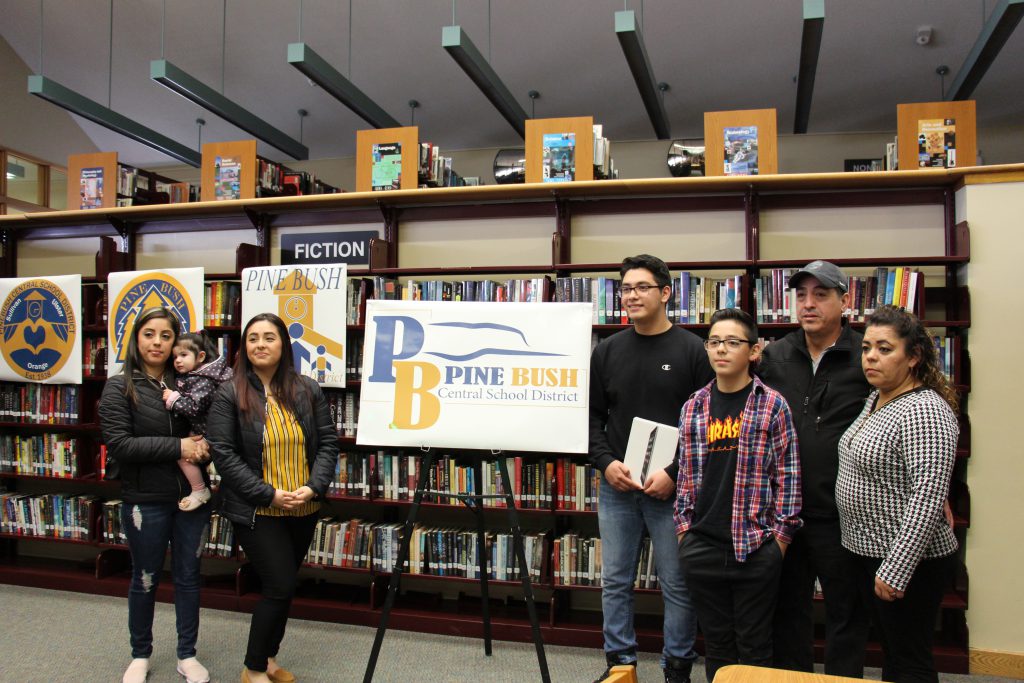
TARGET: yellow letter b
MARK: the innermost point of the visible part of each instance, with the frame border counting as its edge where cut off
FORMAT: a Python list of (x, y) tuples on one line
[(407, 391)]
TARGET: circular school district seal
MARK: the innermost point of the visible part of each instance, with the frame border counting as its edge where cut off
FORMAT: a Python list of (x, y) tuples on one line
[(37, 329), (146, 291)]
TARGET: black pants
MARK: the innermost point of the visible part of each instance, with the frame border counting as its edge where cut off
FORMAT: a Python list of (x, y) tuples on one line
[(906, 626), (276, 547), (817, 551), (734, 601)]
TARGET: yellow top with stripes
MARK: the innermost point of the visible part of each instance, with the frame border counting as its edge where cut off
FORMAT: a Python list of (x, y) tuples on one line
[(284, 458)]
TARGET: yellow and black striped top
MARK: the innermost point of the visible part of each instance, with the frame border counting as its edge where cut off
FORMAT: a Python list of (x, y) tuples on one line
[(284, 458)]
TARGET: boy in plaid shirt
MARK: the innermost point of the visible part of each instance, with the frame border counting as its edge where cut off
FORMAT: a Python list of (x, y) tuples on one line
[(737, 497)]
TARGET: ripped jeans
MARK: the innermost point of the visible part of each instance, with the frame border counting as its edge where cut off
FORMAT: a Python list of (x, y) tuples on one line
[(149, 528)]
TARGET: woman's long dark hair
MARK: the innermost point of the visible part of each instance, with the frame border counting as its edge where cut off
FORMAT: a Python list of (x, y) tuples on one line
[(133, 359), (285, 384), (918, 345)]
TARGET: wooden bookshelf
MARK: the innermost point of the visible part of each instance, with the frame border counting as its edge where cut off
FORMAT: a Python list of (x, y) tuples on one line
[(234, 171), (102, 173), (562, 247)]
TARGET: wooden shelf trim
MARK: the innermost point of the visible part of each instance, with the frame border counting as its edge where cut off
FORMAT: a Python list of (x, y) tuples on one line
[(212, 212)]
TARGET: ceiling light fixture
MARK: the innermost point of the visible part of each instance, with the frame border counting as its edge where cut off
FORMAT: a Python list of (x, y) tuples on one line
[(316, 69), (457, 44), (632, 43), (15, 170), (68, 99), (994, 34), (173, 78), (56, 93), (810, 48)]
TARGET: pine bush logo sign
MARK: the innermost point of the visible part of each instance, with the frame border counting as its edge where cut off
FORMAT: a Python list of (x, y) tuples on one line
[(39, 329)]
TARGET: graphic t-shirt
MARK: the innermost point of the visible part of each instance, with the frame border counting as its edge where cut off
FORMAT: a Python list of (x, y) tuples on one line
[(712, 513)]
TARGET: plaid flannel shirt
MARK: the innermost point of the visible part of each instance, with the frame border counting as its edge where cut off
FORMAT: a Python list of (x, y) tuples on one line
[(766, 498)]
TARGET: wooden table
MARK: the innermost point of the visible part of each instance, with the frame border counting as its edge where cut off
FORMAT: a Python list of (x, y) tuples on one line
[(741, 673)]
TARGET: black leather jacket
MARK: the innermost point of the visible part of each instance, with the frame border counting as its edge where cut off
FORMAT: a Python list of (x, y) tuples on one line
[(237, 448), (824, 404), (143, 441)]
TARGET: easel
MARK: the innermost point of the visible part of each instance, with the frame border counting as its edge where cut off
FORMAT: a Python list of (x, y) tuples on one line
[(473, 502)]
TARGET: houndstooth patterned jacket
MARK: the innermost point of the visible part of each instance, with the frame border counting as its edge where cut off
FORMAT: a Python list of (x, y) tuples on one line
[(895, 465)]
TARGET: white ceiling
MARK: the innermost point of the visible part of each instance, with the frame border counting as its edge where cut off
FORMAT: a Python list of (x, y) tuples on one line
[(715, 55)]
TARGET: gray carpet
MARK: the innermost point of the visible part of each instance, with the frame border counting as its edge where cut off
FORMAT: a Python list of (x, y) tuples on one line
[(54, 636)]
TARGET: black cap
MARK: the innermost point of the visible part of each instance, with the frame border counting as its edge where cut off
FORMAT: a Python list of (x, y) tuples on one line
[(824, 272)]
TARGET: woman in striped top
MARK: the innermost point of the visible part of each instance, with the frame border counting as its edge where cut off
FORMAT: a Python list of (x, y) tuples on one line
[(275, 448), (895, 465)]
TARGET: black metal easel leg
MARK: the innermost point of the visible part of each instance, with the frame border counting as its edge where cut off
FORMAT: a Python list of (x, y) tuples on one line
[(481, 551), (517, 542), (403, 555)]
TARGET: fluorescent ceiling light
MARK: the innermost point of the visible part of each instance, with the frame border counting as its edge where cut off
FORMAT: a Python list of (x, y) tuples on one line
[(15, 170), (56, 93), (994, 34), (455, 41), (316, 68), (633, 48), (170, 76), (810, 48)]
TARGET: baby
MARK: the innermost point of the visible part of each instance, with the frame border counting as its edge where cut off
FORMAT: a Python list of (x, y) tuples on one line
[(200, 372)]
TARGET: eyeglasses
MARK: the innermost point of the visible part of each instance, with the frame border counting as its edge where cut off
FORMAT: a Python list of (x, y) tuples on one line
[(731, 344), (641, 290)]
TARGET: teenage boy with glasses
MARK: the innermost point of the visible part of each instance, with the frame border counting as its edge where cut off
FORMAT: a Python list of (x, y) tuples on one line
[(737, 497), (648, 371)]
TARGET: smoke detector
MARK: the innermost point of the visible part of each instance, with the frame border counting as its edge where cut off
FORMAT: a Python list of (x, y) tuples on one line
[(924, 35)]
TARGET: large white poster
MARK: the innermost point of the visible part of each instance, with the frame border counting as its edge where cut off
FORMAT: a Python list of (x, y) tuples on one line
[(508, 376), (180, 290), (41, 330), (311, 301)]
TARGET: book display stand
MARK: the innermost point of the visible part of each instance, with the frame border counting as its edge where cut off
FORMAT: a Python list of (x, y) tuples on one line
[(473, 502), (387, 159), (233, 170), (559, 150), (936, 135), (99, 181), (743, 142)]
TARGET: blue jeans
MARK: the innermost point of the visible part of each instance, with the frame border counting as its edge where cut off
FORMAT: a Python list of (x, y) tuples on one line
[(622, 518), (149, 528)]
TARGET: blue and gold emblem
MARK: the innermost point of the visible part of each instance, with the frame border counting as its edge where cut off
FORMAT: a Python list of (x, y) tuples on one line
[(146, 291), (39, 329)]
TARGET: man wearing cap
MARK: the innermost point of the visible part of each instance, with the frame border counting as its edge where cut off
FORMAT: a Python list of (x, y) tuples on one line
[(818, 370)]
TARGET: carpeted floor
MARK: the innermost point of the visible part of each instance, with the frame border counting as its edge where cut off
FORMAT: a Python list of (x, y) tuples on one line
[(55, 636)]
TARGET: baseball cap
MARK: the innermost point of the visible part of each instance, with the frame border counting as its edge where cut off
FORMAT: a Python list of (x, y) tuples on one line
[(824, 272)]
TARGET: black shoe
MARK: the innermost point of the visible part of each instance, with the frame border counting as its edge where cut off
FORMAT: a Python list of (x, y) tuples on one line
[(677, 670), (608, 672)]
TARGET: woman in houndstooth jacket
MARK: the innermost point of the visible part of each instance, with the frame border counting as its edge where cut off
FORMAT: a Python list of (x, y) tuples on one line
[(895, 465)]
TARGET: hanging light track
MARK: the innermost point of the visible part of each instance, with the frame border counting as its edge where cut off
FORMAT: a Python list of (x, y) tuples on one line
[(457, 44), (68, 99), (173, 78), (632, 43), (318, 70)]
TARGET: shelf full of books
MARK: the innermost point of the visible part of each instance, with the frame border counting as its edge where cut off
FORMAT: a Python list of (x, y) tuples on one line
[(101, 181), (372, 487)]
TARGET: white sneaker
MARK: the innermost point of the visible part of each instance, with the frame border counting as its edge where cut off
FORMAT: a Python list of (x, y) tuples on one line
[(137, 671), (193, 671)]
